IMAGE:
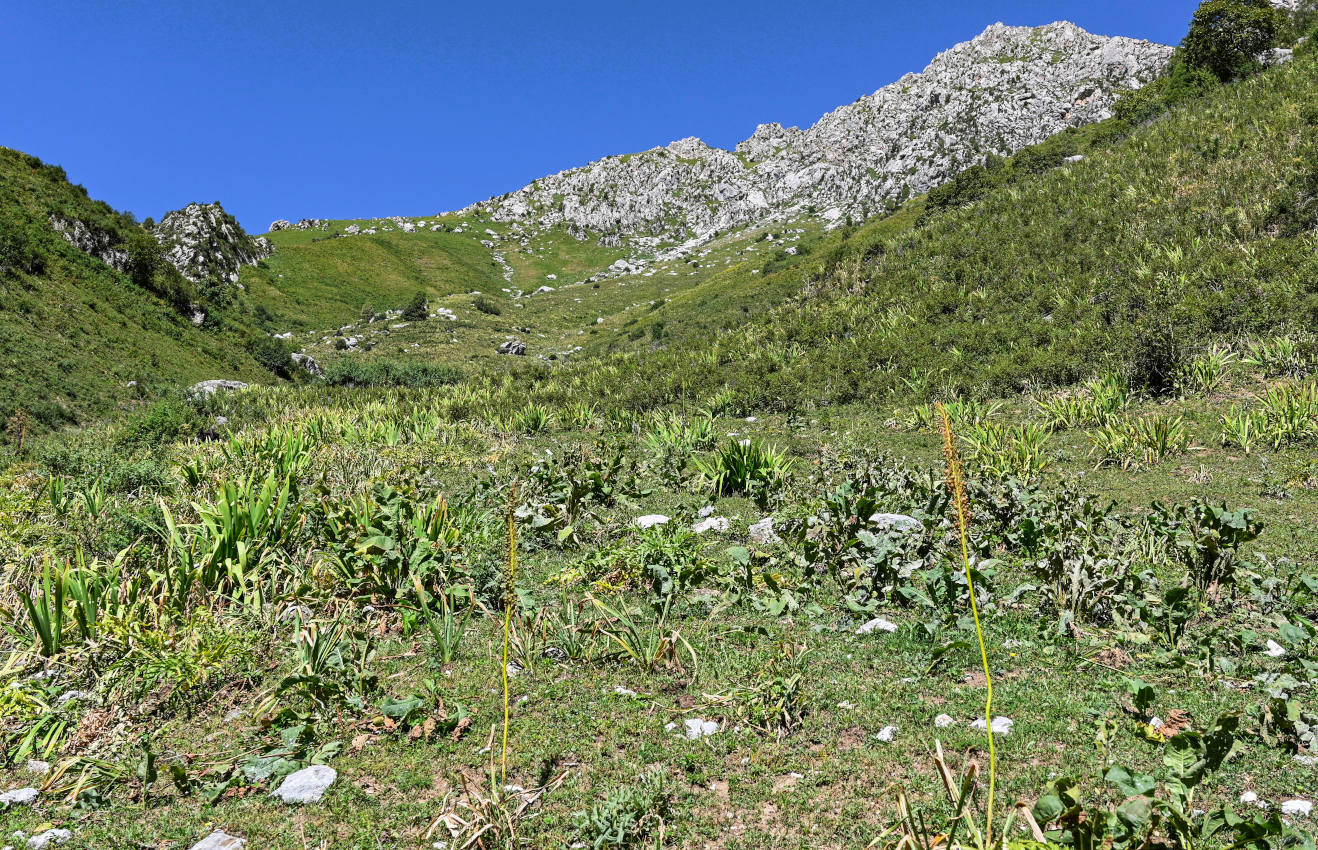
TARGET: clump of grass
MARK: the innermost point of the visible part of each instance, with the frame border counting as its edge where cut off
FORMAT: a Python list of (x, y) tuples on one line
[(1004, 451), (745, 467), (1136, 442), (1098, 401), (1283, 415)]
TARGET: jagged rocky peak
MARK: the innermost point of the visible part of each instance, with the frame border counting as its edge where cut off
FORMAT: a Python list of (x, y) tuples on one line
[(206, 243), (1007, 88)]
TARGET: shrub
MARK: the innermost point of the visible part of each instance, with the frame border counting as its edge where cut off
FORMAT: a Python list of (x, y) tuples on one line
[(486, 306), (274, 355), (161, 422), (1226, 35), (416, 309)]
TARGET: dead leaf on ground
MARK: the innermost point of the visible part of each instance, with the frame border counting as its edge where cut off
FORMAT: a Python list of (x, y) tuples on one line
[(1113, 657), (1177, 722), (458, 731)]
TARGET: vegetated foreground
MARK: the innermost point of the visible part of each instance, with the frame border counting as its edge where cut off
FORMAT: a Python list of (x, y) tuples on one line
[(725, 630), (683, 593)]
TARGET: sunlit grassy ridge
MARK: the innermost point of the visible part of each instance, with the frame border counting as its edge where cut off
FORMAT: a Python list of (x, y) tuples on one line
[(75, 333)]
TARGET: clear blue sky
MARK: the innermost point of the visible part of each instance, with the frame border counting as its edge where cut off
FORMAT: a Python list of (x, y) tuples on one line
[(351, 109)]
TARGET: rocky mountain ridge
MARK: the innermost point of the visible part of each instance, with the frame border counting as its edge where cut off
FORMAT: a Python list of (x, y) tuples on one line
[(206, 243), (1007, 88)]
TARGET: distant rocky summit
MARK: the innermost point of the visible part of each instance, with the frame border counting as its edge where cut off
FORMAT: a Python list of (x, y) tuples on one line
[(206, 243), (1007, 88)]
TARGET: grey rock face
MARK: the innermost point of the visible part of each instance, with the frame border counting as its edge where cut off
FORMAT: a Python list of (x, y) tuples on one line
[(307, 362), (220, 840), (204, 242), (307, 785), (279, 224), (1005, 89), (512, 346), (94, 243)]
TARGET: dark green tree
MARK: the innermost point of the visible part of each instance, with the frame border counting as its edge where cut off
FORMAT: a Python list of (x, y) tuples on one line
[(1226, 35), (416, 309)]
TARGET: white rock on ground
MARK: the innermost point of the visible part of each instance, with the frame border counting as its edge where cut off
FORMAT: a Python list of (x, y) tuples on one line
[(48, 838), (1274, 650), (897, 522), (38, 768), (1297, 808), (220, 840), (878, 624), (762, 532), (650, 520), (307, 785), (19, 797), (714, 523), (694, 727), (1001, 725), (943, 721), (886, 734)]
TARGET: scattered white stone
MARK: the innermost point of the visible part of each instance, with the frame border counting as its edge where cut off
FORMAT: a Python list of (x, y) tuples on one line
[(1310, 761), (943, 721), (624, 692), (307, 785), (49, 837), (878, 624), (19, 797), (707, 510), (897, 522), (714, 523), (650, 520), (37, 768), (693, 728), (1001, 725), (886, 734), (1249, 797), (762, 532), (220, 840), (846, 706), (1274, 650), (69, 696), (1299, 808)]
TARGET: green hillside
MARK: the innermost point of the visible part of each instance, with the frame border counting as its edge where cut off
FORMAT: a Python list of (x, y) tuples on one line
[(78, 338)]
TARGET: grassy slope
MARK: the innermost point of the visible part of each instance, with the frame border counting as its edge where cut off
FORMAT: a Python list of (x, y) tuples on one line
[(73, 335)]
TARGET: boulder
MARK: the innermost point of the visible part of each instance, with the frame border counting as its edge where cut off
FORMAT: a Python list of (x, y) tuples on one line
[(513, 347), (279, 224), (209, 388), (307, 362), (650, 521)]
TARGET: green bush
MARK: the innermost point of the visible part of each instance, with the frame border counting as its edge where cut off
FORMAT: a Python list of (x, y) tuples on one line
[(164, 421), (486, 306), (416, 309), (274, 355), (1226, 35)]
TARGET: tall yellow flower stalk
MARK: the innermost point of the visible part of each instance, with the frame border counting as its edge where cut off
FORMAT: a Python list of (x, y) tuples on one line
[(509, 597), (956, 487)]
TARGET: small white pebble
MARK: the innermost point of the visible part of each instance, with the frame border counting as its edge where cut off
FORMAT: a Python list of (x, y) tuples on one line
[(886, 733), (943, 721)]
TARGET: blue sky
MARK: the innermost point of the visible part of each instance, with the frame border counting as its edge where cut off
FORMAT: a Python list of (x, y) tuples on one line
[(353, 108)]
